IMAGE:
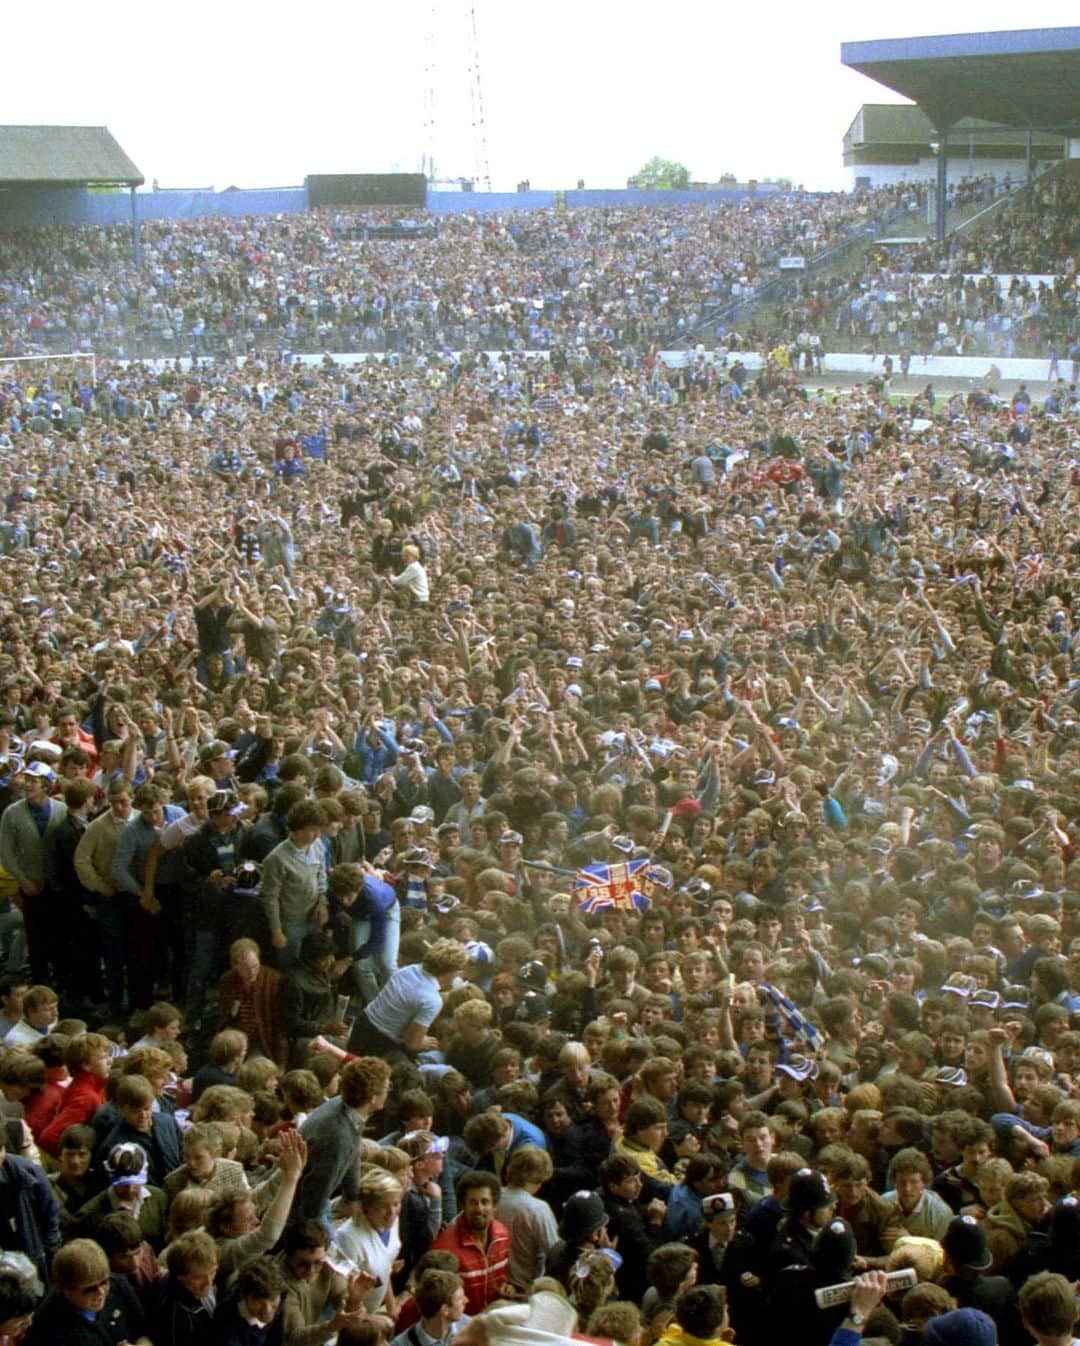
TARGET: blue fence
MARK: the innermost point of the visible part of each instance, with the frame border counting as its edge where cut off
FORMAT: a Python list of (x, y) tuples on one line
[(462, 203), (459, 203), (33, 206), (711, 196)]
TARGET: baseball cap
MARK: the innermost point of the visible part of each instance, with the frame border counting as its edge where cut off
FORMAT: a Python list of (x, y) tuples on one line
[(437, 1144), (39, 769), (422, 814), (216, 749), (225, 801)]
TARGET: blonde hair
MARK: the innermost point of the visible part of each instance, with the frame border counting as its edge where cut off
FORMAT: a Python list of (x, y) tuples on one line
[(392, 1159), (475, 1013), (258, 1073), (996, 1170), (923, 1255), (863, 1098), (77, 1262), (222, 1103), (188, 1210), (377, 1185)]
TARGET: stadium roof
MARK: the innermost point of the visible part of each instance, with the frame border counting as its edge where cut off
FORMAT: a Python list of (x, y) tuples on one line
[(63, 155), (1029, 78)]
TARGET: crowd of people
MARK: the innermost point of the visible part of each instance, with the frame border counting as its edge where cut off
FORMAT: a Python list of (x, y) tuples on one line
[(305, 282), (1008, 288), (496, 848)]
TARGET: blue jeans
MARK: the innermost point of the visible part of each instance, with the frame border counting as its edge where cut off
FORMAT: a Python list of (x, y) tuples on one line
[(375, 970), (294, 932)]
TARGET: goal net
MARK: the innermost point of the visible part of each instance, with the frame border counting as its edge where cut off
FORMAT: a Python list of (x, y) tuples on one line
[(51, 373)]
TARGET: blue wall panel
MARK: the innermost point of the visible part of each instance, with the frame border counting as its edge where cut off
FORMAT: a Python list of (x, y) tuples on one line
[(459, 203), (31, 206)]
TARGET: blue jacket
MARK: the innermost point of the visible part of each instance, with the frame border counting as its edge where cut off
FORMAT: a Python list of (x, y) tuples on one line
[(1003, 1123), (683, 1218), (37, 1211), (373, 761), (524, 1133), (133, 848)]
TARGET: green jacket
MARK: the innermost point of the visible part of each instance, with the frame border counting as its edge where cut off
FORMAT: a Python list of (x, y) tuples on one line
[(22, 847)]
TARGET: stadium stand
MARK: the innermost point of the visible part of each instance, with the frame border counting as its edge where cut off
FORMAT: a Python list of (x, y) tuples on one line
[(545, 826)]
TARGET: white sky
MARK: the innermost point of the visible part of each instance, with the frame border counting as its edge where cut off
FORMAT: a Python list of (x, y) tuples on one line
[(203, 94)]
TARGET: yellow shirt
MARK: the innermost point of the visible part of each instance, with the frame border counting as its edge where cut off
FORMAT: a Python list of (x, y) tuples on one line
[(651, 1164)]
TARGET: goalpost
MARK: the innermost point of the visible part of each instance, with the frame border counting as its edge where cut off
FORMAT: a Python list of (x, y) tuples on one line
[(57, 367)]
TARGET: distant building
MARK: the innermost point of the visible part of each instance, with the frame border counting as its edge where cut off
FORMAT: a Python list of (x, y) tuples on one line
[(891, 142)]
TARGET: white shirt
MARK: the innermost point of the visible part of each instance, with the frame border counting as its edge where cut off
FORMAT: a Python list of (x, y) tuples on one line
[(176, 833), (23, 1035), (363, 1245), (411, 995), (414, 579)]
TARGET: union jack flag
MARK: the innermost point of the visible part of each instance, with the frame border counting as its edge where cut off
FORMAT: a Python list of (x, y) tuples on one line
[(597, 887)]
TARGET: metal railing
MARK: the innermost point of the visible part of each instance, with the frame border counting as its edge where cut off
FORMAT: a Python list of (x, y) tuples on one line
[(704, 331)]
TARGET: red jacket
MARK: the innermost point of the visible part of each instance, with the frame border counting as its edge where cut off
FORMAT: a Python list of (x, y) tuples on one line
[(40, 1108), (82, 1098), (484, 1270), (82, 740)]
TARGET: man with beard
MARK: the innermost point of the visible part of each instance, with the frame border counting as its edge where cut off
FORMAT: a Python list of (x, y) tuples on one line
[(479, 1242)]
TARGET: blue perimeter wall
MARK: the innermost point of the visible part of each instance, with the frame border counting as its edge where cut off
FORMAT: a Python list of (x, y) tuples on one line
[(35, 206)]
